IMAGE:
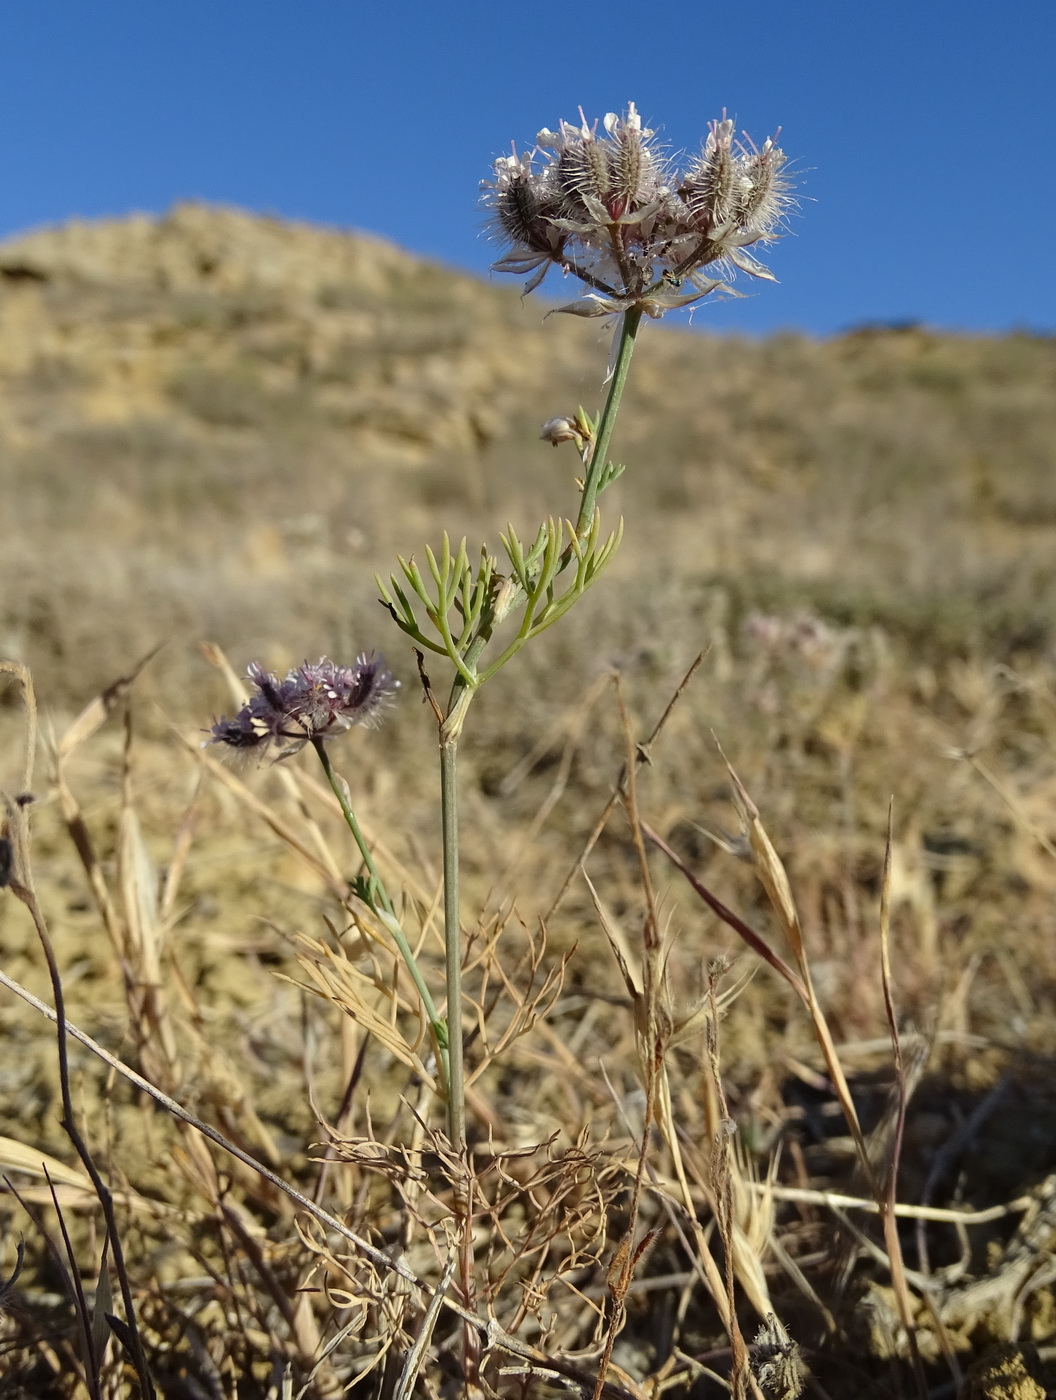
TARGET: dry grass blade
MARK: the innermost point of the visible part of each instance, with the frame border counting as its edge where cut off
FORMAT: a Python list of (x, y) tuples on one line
[(178, 1111), (98, 711), (255, 804), (102, 1310), (746, 1261), (415, 1359), (889, 1191), (81, 837), (771, 871), (1013, 803), (138, 880), (22, 886), (83, 1197), (836, 1200), (754, 941), (641, 756), (723, 1187), (24, 679), (236, 686), (618, 944), (750, 1214), (15, 1156), (337, 980), (180, 851), (774, 878), (90, 1356)]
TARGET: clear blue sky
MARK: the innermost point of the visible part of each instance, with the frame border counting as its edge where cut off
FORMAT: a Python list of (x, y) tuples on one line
[(923, 131)]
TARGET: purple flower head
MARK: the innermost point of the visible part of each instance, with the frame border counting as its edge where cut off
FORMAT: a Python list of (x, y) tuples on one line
[(316, 701)]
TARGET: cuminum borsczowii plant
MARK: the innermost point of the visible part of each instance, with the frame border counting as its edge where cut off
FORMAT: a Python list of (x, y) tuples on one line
[(604, 204)]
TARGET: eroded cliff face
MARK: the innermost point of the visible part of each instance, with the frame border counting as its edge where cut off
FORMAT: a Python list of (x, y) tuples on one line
[(196, 246)]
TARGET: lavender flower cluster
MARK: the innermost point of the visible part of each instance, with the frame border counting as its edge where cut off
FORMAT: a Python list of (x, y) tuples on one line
[(611, 210), (315, 701)]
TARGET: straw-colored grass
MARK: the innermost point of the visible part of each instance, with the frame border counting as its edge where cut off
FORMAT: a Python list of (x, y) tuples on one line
[(857, 535)]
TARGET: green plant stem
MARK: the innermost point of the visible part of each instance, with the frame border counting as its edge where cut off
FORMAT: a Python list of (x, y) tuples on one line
[(456, 1086), (384, 909), (462, 695), (468, 681), (464, 689), (632, 319)]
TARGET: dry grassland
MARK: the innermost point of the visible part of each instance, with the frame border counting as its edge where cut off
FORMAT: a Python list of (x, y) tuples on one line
[(216, 428)]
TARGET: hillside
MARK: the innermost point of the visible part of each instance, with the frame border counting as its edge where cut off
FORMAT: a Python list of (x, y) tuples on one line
[(206, 417)]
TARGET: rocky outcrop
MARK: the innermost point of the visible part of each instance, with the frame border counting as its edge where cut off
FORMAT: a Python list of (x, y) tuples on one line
[(227, 322), (198, 247)]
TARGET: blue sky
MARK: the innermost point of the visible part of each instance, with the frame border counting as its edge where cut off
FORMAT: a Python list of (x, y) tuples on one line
[(922, 131)]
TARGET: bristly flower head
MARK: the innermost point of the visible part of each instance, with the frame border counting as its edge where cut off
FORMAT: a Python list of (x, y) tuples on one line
[(317, 701), (610, 209)]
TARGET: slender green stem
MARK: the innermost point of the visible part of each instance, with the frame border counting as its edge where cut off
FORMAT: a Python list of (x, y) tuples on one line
[(341, 793), (632, 319), (467, 680), (383, 907), (465, 687), (456, 1087), (461, 697)]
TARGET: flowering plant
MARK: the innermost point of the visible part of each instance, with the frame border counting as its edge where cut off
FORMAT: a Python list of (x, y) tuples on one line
[(609, 208)]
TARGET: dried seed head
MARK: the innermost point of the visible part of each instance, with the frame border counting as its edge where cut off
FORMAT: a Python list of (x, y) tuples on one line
[(523, 212), (734, 189), (583, 178), (776, 1362), (712, 188), (604, 206), (766, 193), (635, 169)]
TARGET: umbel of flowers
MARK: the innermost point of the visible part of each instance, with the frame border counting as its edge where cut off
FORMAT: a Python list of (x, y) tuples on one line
[(317, 701), (610, 208)]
